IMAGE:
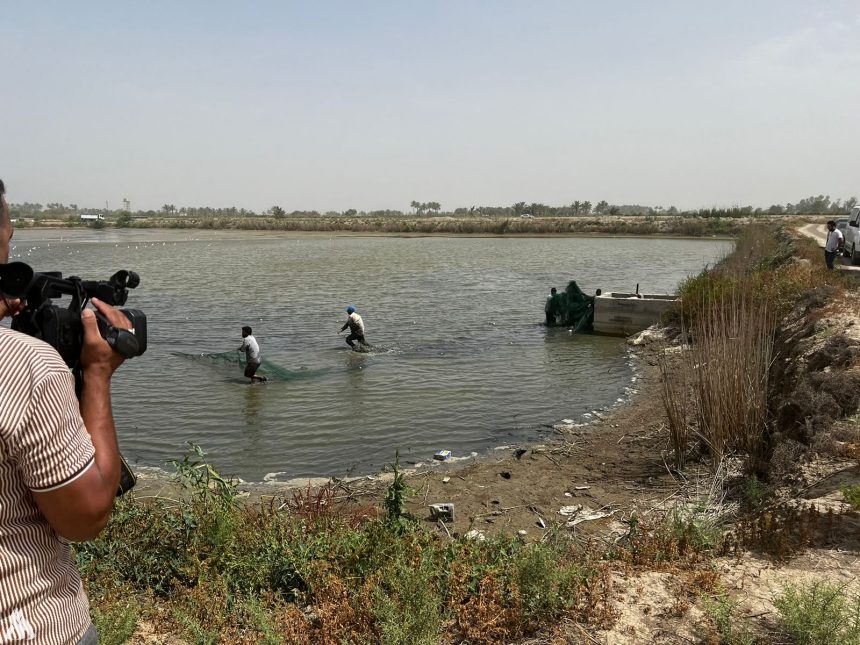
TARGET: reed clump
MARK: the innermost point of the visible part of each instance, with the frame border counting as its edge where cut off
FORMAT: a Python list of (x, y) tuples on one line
[(718, 394), (733, 353)]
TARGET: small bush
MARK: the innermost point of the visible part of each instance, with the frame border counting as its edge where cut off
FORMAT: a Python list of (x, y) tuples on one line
[(852, 495), (732, 629), (115, 621), (754, 491), (695, 527), (819, 614), (407, 603)]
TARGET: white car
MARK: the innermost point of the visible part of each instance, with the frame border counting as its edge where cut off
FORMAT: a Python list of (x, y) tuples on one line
[(852, 237)]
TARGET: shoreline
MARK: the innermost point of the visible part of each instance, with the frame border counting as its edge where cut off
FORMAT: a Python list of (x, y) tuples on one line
[(395, 234), (471, 480)]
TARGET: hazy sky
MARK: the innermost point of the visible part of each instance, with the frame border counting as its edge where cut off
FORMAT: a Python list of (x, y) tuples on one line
[(360, 104)]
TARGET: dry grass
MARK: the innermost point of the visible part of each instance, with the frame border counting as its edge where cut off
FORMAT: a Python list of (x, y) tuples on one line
[(718, 390), (732, 354)]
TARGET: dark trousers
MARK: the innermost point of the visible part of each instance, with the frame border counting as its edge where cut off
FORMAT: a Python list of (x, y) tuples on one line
[(353, 337), (829, 256)]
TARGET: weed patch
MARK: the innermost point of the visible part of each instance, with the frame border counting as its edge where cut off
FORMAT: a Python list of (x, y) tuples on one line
[(819, 614), (852, 495), (731, 628)]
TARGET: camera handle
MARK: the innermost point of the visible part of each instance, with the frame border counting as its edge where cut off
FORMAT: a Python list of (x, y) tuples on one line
[(122, 340)]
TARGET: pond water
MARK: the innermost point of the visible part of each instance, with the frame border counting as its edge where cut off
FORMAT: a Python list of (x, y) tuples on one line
[(462, 361)]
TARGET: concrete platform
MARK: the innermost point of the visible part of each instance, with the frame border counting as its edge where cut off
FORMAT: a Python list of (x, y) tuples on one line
[(622, 314)]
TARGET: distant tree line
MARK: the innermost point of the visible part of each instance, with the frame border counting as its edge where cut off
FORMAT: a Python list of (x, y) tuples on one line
[(813, 205)]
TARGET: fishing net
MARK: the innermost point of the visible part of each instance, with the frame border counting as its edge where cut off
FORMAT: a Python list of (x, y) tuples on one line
[(272, 371), (572, 308)]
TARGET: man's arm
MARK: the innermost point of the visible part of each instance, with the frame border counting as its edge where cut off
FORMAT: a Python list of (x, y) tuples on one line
[(80, 509), (345, 325)]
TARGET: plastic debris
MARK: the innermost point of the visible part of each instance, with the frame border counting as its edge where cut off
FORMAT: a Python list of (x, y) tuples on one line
[(586, 515), (570, 510), (445, 480), (442, 512), (442, 455), (476, 535)]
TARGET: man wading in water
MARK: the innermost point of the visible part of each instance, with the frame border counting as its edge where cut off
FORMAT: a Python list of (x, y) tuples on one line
[(356, 330), (252, 354)]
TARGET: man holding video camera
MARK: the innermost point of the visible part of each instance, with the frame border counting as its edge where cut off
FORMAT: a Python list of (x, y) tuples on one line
[(59, 471)]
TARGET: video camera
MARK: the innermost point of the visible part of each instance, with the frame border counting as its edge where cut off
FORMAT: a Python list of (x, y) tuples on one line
[(61, 327)]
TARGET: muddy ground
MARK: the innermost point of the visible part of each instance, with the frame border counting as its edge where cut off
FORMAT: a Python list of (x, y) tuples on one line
[(612, 466)]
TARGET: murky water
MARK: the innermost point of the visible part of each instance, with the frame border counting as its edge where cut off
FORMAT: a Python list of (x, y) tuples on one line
[(463, 362)]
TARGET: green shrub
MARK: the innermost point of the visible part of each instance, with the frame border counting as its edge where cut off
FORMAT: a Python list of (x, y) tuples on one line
[(852, 495), (545, 588), (754, 491), (819, 614), (732, 629), (407, 604), (115, 621), (695, 527)]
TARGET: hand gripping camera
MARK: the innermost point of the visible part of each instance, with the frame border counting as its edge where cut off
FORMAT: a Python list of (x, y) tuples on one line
[(61, 327)]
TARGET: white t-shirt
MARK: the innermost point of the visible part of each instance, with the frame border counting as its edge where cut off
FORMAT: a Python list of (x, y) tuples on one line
[(356, 324), (252, 349), (834, 237)]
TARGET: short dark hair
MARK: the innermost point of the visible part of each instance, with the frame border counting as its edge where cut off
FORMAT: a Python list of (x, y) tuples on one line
[(552, 290), (830, 222), (247, 329), (2, 188)]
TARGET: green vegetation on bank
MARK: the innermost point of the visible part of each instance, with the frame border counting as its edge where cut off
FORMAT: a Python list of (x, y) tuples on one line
[(306, 568), (726, 395), (209, 567)]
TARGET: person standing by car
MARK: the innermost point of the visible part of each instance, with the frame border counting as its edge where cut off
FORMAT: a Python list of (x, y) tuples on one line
[(833, 245)]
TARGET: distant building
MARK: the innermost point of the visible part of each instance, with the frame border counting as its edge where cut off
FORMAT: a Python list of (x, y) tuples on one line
[(91, 217)]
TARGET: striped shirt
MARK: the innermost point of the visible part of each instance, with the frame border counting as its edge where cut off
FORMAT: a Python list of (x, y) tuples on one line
[(43, 445)]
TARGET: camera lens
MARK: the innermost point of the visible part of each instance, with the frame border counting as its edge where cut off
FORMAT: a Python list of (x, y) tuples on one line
[(15, 279)]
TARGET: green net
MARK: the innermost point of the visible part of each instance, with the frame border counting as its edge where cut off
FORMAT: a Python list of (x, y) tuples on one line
[(272, 371), (571, 308)]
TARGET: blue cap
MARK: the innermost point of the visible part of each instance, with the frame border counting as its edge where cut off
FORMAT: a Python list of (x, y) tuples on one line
[(350, 309)]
